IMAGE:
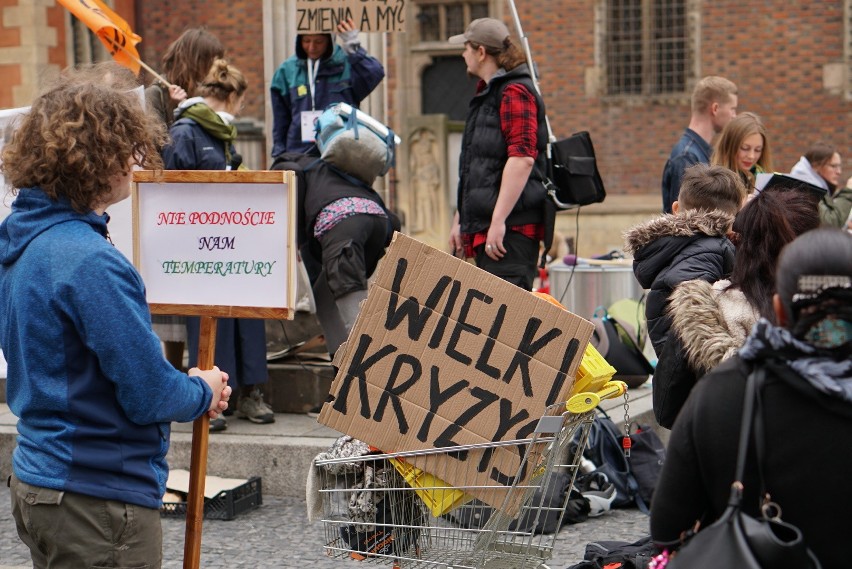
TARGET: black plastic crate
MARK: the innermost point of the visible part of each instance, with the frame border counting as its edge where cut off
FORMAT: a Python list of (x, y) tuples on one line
[(226, 505)]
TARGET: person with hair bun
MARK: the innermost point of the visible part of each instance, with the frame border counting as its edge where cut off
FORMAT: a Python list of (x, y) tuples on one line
[(710, 321), (202, 134), (743, 147), (185, 63), (203, 139), (87, 379), (501, 197), (805, 402)]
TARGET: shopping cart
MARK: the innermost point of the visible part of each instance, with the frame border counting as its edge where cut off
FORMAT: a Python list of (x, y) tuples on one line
[(379, 508)]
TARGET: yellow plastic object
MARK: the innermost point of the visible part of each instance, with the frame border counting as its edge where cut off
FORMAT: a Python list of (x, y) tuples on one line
[(594, 372), (435, 493), (586, 401)]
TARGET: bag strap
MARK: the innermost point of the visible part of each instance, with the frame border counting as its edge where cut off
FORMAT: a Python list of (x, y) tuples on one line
[(755, 380), (760, 431), (352, 123), (549, 206)]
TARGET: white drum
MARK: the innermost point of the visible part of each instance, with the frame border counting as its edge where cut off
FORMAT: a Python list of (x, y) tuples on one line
[(591, 286)]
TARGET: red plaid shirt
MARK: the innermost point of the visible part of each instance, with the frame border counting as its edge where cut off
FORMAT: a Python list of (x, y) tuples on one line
[(519, 123)]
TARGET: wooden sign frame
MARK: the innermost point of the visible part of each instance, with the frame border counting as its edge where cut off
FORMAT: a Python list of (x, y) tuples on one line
[(287, 179)]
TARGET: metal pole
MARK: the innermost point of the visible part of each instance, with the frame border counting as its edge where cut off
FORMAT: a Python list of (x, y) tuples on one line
[(526, 46)]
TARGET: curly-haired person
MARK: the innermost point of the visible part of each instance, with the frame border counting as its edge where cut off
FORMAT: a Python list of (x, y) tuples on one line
[(87, 379)]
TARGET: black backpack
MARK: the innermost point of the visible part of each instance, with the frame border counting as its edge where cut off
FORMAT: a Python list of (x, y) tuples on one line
[(606, 451), (634, 478), (574, 172), (572, 180)]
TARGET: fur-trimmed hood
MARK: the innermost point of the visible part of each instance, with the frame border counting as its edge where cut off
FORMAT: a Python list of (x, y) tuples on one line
[(714, 223), (712, 321), (673, 249)]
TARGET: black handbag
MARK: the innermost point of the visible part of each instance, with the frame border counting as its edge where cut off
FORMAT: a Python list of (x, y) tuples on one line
[(572, 180), (737, 539), (574, 172)]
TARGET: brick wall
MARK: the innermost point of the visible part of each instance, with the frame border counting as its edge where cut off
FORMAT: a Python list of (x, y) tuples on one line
[(777, 51), (774, 50), (237, 23)]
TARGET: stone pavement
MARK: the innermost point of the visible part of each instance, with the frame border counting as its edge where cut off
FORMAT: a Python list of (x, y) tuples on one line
[(278, 535)]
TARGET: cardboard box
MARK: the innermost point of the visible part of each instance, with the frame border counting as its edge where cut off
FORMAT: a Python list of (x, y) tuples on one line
[(444, 354)]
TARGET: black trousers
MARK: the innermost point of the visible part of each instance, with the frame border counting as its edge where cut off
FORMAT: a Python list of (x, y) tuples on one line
[(518, 265), (351, 250)]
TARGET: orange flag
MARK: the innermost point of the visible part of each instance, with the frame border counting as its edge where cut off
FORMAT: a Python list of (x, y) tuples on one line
[(110, 28)]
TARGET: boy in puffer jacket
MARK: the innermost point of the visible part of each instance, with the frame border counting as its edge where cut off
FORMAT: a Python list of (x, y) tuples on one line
[(689, 244)]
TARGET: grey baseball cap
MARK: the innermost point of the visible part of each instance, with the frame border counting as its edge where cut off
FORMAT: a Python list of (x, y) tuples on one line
[(484, 31)]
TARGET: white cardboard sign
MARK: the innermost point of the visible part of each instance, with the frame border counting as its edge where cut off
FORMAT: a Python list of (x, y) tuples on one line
[(216, 243)]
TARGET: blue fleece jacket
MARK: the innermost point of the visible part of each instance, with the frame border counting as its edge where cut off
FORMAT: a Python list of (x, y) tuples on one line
[(86, 377)]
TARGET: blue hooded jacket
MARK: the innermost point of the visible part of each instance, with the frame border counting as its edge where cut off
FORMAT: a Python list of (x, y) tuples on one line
[(86, 375)]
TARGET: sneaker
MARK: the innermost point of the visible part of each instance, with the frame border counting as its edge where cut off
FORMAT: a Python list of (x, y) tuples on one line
[(598, 490), (314, 412), (255, 409), (217, 425)]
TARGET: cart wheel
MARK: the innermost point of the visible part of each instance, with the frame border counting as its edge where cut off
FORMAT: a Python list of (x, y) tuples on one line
[(583, 402)]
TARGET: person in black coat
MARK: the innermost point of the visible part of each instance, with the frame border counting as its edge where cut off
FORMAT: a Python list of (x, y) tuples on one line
[(710, 321), (342, 230), (807, 401), (690, 244)]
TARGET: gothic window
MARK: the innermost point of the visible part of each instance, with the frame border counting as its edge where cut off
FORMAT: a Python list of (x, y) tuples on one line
[(437, 20), (445, 87), (85, 45), (646, 47)]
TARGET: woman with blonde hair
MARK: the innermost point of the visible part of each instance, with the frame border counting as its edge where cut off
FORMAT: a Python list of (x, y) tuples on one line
[(744, 148)]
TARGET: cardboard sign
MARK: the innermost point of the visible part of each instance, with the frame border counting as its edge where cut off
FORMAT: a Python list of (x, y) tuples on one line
[(316, 16), (216, 243), (444, 354)]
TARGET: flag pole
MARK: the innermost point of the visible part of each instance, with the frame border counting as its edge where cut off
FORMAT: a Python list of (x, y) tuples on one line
[(147, 68), (526, 46)]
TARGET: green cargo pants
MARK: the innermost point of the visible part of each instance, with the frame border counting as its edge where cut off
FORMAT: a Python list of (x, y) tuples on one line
[(67, 530)]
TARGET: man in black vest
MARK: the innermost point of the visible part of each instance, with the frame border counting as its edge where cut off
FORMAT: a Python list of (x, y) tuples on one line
[(500, 213)]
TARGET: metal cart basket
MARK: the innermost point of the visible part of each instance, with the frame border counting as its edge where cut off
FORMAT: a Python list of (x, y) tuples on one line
[(379, 508)]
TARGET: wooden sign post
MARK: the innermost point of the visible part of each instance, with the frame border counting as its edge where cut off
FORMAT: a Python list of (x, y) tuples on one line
[(214, 244)]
